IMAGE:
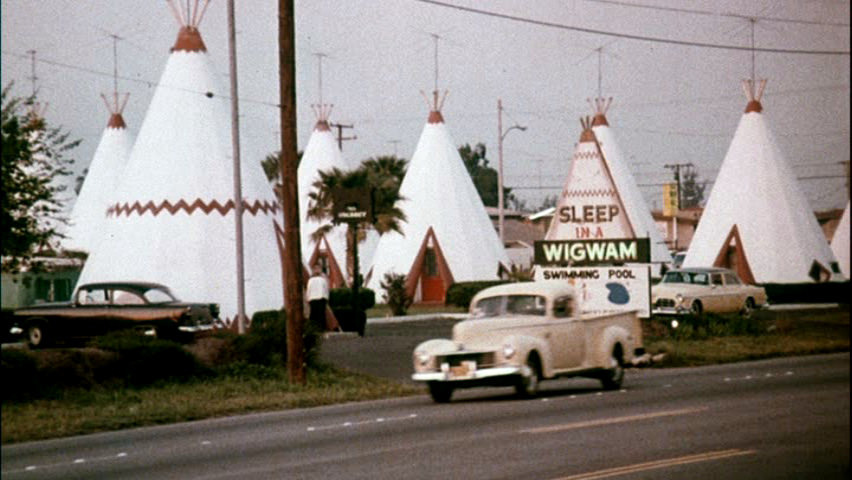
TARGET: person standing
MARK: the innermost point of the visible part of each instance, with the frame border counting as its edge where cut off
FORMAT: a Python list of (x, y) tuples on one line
[(317, 293)]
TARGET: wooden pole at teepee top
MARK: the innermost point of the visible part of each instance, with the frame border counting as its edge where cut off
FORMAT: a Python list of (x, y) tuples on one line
[(293, 288)]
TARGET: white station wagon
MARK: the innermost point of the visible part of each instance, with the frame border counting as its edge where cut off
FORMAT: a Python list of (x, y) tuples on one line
[(698, 290), (521, 333)]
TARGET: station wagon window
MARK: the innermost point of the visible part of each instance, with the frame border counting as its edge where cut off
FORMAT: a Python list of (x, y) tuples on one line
[(562, 307), (717, 279), (731, 279)]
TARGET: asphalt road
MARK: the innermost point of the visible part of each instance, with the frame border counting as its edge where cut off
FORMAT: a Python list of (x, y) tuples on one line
[(778, 419)]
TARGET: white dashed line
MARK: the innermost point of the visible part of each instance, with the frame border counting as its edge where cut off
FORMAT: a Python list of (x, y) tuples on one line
[(361, 423)]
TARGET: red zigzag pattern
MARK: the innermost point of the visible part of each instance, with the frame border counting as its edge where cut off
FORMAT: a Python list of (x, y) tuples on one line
[(136, 207), (602, 192)]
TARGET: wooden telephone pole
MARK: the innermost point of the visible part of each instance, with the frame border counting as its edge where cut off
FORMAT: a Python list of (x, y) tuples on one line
[(294, 283)]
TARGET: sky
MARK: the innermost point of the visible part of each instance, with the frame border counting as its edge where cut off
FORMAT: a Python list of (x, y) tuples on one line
[(673, 68)]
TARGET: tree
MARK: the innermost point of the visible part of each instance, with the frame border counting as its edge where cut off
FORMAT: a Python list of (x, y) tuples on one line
[(34, 164), (692, 194), (272, 166), (484, 177), (382, 174)]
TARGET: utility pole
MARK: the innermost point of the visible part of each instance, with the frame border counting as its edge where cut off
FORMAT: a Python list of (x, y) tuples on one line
[(500, 136), (238, 189), (340, 137), (294, 283)]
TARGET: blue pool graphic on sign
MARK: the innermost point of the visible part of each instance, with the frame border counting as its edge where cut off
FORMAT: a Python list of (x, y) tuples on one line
[(618, 293)]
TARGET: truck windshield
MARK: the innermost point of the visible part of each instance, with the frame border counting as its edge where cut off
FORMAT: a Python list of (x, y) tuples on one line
[(510, 305)]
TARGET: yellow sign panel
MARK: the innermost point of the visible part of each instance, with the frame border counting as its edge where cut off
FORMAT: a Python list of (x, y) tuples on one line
[(670, 203)]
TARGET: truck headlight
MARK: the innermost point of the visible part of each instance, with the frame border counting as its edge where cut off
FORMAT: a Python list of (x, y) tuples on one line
[(508, 351), (423, 358)]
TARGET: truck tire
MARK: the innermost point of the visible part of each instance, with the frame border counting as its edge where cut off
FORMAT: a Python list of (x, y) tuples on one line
[(440, 392), (527, 385), (614, 376)]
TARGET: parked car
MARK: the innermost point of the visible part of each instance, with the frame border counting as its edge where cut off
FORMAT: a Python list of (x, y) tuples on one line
[(99, 308), (698, 290), (521, 333)]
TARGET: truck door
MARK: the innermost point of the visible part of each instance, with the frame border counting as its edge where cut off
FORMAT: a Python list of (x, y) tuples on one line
[(567, 340)]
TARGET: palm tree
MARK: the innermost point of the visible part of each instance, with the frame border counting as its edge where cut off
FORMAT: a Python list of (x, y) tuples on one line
[(381, 174)]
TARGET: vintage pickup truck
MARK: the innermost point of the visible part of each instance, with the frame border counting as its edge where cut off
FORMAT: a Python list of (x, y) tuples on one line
[(521, 333)]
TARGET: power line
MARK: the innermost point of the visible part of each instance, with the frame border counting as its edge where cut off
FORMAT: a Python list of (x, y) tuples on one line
[(715, 14), (686, 43)]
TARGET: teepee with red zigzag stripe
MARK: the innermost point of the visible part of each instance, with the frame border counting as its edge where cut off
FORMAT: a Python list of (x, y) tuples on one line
[(171, 219), (757, 220)]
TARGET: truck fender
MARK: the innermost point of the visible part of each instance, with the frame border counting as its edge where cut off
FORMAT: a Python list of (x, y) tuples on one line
[(436, 346), (524, 345), (612, 336)]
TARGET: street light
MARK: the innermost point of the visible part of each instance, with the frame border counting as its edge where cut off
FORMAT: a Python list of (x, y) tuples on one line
[(501, 134)]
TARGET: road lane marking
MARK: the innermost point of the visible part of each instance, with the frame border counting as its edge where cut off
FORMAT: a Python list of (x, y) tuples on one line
[(611, 421), (363, 422), (653, 465)]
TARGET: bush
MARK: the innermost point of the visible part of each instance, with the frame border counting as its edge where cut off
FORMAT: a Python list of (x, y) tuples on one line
[(395, 295), (143, 360), (19, 370), (460, 294), (830, 292), (265, 343), (343, 297)]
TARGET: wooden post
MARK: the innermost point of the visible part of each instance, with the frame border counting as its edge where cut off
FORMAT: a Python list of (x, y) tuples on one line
[(294, 283)]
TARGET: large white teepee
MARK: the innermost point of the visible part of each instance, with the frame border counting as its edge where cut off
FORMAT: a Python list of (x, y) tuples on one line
[(89, 213), (840, 242), (321, 154), (634, 203), (172, 215), (448, 236), (757, 220)]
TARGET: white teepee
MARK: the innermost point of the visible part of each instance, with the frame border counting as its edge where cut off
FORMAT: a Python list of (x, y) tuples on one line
[(321, 154), (89, 213), (172, 214), (634, 203), (757, 220), (840, 242), (448, 236)]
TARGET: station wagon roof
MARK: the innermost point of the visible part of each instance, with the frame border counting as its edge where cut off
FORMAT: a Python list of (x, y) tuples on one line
[(702, 270), (546, 288)]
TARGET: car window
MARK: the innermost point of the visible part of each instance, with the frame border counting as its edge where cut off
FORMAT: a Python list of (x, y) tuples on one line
[(732, 279), (717, 279), (488, 307), (156, 295), (676, 277), (93, 297), (124, 297)]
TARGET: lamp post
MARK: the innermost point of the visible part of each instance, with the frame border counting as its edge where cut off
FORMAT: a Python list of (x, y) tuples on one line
[(500, 136)]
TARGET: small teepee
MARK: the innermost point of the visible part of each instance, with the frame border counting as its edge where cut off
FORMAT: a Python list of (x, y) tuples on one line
[(634, 203), (171, 218), (840, 242), (89, 212), (321, 154), (757, 220), (448, 236)]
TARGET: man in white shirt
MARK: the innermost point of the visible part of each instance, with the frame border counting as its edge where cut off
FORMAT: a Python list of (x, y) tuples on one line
[(317, 293)]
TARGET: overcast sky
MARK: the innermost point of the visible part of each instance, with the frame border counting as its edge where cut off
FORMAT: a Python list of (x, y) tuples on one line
[(677, 98)]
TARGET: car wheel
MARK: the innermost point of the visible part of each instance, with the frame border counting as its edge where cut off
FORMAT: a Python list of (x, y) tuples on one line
[(748, 308), (35, 335), (614, 376), (696, 308), (527, 385), (440, 392)]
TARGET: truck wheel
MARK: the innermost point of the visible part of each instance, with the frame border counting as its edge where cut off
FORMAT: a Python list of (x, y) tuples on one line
[(440, 392), (527, 386), (35, 335), (614, 376), (748, 308)]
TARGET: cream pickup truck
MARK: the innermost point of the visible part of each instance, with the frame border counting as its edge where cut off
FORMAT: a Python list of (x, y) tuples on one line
[(521, 333)]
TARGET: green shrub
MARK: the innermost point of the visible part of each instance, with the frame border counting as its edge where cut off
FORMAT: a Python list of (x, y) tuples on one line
[(265, 342), (395, 295), (460, 294), (343, 297), (830, 292), (19, 370), (143, 360)]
